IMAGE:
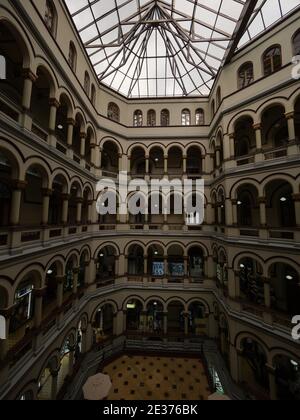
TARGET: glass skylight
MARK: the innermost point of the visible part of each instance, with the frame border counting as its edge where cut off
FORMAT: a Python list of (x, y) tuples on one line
[(163, 48)]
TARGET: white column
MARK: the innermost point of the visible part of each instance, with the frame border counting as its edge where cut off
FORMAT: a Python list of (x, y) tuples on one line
[(291, 125)]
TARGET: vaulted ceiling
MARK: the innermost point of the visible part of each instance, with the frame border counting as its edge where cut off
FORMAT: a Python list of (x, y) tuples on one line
[(163, 48)]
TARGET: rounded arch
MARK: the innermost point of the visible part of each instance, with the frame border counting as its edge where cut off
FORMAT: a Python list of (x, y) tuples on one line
[(42, 67), (113, 140), (35, 272), (104, 245), (133, 298), (244, 255), (271, 103), (101, 305), (247, 113), (239, 338), (59, 262)]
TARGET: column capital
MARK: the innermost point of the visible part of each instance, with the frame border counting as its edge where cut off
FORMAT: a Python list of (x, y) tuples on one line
[(262, 200), (76, 270), (232, 135), (271, 369), (71, 121), (28, 74), (94, 146), (19, 185), (257, 126), (79, 200), (54, 102), (46, 192), (290, 115), (66, 197), (38, 293), (83, 135)]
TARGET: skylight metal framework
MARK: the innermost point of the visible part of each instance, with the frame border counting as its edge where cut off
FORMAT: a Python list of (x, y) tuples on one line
[(162, 48)]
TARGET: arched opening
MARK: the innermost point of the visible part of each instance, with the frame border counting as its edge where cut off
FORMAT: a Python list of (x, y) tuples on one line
[(138, 162), (248, 206), (136, 260), (196, 263), (221, 271), (134, 317), (83, 264), (22, 318), (275, 127), (8, 172), (222, 207), (253, 370), (272, 60), (45, 385), (13, 50), (87, 83), (175, 162), (165, 118), (155, 317), (113, 112), (59, 188), (200, 117), (72, 56), (77, 132), (245, 137), (87, 149), (186, 117), (75, 198), (176, 263), (138, 118), (32, 200), (110, 158), (151, 118), (285, 289), (156, 266), (63, 117), (197, 319), (297, 116), (157, 161), (281, 211), (194, 161), (71, 265), (296, 43), (50, 297), (50, 17), (176, 318), (65, 355), (106, 265), (103, 323), (287, 375), (251, 281), (157, 207), (245, 75), (219, 97), (93, 95), (176, 215), (40, 99)]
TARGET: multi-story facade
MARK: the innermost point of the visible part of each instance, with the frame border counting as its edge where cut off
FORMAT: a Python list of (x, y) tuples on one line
[(66, 271)]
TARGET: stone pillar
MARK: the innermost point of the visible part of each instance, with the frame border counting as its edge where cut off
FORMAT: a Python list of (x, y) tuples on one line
[(296, 198), (184, 165), (18, 187), (120, 162), (71, 125), (4, 347), (233, 284), (258, 136), (166, 165), (186, 268), (65, 209), (165, 315), (79, 210), (46, 199), (263, 211), (229, 212), (272, 383), (82, 145), (166, 266), (146, 265), (226, 146), (54, 384), (29, 78), (232, 145), (291, 125), (147, 165), (71, 360), (54, 105), (186, 323)]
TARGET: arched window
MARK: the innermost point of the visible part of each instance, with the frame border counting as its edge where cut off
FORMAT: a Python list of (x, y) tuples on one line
[(186, 117), (87, 83), (51, 17), (272, 60), (93, 95), (296, 43), (138, 119), (165, 118), (213, 108), (219, 97), (200, 120), (151, 118), (245, 75), (72, 56), (113, 112)]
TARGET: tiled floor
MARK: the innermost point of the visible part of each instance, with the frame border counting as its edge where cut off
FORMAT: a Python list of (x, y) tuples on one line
[(157, 378)]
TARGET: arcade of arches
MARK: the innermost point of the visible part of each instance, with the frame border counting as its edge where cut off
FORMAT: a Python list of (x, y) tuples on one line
[(75, 284)]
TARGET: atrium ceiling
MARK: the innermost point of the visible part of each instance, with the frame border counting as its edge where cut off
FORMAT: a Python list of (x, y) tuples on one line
[(168, 48)]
